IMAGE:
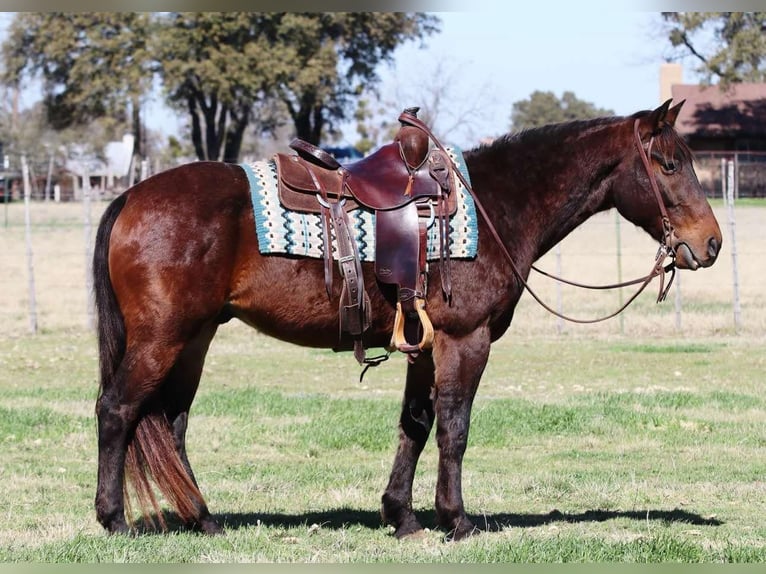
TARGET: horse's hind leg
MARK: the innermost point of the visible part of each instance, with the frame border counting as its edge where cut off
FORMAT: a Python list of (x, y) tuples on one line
[(414, 427), (118, 410), (115, 422), (178, 394)]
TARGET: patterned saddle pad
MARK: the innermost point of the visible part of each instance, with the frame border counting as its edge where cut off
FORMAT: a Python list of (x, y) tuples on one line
[(281, 231)]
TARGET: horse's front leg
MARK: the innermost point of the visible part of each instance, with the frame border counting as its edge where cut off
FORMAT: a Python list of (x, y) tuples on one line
[(414, 427), (459, 364)]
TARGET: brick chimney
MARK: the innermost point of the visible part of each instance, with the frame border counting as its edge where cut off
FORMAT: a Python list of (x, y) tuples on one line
[(670, 74)]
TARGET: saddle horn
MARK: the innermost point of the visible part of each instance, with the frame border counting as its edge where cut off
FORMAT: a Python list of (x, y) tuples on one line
[(413, 141)]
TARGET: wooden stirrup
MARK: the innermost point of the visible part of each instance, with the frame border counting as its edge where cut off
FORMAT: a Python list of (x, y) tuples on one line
[(399, 342)]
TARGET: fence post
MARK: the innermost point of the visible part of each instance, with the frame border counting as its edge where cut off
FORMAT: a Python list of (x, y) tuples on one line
[(28, 236), (559, 298), (678, 301), (730, 194), (49, 179), (87, 233), (6, 198), (619, 268)]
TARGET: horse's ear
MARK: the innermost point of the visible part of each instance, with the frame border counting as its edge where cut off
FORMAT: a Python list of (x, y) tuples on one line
[(653, 122), (672, 115)]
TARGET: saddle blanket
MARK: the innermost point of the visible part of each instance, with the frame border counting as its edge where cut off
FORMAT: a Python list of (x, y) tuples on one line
[(281, 231)]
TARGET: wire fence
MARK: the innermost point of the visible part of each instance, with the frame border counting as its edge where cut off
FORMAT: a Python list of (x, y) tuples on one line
[(46, 248), (749, 173)]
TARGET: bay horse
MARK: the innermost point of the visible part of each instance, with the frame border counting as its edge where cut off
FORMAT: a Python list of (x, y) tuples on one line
[(176, 256)]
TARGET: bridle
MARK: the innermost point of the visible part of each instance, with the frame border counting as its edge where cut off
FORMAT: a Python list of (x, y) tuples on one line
[(658, 268)]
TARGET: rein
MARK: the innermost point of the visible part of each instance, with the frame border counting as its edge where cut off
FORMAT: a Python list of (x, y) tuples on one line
[(658, 269)]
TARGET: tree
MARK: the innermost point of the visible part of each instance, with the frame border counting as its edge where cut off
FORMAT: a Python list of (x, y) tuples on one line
[(455, 109), (216, 67), (93, 65), (225, 70), (728, 46), (545, 108), (336, 56)]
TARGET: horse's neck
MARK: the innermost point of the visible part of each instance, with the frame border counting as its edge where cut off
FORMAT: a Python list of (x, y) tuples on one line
[(541, 191)]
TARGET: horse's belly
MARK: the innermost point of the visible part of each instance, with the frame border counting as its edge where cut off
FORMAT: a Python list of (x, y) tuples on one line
[(287, 299)]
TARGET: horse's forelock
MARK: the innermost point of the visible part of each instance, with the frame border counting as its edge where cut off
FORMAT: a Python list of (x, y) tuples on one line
[(669, 144)]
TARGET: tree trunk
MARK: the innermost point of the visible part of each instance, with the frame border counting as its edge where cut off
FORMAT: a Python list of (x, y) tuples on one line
[(212, 136), (139, 147), (208, 145), (234, 138), (196, 128), (316, 130), (309, 123)]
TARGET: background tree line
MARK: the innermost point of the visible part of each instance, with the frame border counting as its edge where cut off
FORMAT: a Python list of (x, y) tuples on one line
[(228, 71), (233, 74)]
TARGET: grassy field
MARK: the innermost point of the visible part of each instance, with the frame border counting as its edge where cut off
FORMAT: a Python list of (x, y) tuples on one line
[(640, 442)]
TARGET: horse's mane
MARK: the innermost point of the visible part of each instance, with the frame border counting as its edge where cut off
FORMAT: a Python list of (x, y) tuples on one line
[(667, 141), (546, 132)]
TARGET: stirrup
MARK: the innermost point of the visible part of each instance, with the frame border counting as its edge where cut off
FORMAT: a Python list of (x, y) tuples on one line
[(398, 341)]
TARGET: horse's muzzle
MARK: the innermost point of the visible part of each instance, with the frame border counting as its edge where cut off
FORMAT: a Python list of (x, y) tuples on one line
[(687, 258)]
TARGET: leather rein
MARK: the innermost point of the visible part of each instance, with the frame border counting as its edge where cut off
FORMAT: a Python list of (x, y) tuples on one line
[(658, 268)]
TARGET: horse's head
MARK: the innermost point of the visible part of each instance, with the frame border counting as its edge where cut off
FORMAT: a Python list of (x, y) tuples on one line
[(674, 210)]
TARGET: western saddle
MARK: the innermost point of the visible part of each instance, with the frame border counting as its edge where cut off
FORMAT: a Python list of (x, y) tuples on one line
[(408, 185)]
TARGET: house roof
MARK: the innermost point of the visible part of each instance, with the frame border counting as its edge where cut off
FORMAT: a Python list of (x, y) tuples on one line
[(710, 111)]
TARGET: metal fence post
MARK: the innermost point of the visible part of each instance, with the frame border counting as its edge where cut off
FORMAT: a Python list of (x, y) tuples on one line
[(730, 194), (87, 233), (28, 236)]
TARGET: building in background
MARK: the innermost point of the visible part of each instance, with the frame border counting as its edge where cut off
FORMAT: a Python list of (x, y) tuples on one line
[(107, 174), (721, 125)]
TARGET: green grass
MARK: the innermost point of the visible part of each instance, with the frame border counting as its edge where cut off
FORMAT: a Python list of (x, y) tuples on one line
[(594, 450), (631, 440)]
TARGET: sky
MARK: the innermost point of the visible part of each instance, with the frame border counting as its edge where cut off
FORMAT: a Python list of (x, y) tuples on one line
[(500, 53), (609, 58)]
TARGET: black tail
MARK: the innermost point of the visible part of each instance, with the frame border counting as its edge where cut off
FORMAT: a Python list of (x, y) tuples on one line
[(110, 324)]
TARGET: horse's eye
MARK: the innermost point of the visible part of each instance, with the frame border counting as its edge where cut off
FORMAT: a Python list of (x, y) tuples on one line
[(669, 167)]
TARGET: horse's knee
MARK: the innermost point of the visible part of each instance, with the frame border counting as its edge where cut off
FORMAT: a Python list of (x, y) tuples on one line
[(452, 434), (417, 420)]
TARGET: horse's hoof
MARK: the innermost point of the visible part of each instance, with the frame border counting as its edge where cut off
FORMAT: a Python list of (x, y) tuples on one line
[(211, 527), (117, 527), (409, 527)]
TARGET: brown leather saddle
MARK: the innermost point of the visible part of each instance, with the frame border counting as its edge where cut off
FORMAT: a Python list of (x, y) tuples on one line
[(409, 186)]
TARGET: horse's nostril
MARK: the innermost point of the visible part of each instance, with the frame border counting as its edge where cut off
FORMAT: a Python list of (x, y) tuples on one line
[(713, 245)]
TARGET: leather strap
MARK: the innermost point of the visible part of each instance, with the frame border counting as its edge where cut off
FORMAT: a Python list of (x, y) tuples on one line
[(315, 154), (440, 167), (354, 307), (326, 239)]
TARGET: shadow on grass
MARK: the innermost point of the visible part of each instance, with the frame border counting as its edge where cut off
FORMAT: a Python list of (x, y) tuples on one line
[(342, 518)]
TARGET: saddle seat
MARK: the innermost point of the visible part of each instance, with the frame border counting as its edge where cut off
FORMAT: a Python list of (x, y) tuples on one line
[(408, 187), (379, 182)]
